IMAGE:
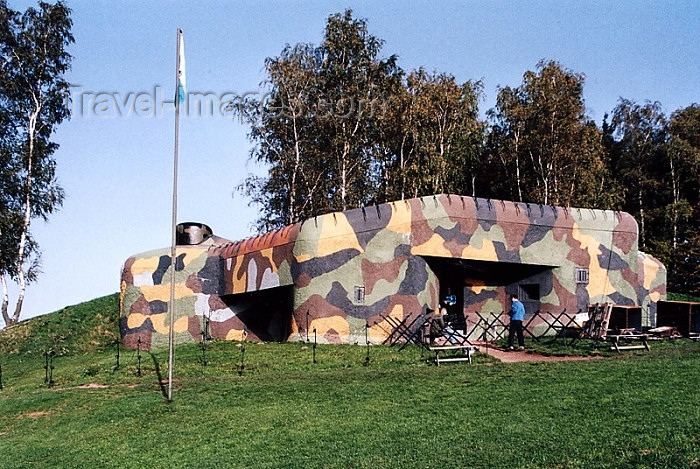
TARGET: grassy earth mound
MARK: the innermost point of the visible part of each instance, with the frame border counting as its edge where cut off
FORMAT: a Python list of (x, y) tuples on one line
[(82, 328)]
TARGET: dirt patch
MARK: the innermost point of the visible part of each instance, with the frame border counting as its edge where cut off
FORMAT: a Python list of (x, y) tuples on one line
[(517, 356), (36, 415), (164, 382), (92, 386), (104, 386)]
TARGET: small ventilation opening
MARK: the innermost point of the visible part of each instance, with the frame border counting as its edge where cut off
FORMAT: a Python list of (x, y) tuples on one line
[(191, 234), (359, 297), (582, 276)]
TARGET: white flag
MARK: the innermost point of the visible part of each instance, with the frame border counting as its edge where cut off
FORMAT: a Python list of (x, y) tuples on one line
[(181, 80)]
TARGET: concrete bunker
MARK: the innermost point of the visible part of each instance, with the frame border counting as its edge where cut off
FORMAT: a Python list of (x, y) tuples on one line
[(340, 272)]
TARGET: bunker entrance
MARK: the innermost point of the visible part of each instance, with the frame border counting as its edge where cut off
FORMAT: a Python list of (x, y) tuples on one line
[(485, 286), (266, 315)]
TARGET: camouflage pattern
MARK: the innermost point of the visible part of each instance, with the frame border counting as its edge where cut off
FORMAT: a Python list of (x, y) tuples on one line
[(341, 272), (651, 287)]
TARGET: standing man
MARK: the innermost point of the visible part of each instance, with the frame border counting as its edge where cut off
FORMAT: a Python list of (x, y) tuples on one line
[(517, 316), (449, 302)]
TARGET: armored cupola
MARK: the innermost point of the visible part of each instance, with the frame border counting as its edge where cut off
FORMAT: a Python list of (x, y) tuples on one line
[(191, 233)]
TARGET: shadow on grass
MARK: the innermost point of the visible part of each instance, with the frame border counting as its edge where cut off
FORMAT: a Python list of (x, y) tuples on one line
[(161, 381)]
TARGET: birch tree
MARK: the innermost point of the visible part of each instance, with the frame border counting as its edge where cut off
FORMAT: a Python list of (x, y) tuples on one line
[(283, 130), (682, 213), (505, 142), (549, 151), (33, 102), (440, 120), (641, 136), (356, 85), (317, 130), (683, 159)]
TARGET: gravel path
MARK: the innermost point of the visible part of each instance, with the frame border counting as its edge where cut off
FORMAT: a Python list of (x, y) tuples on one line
[(516, 356)]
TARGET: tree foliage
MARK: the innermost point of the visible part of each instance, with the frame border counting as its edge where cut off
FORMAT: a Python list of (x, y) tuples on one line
[(343, 126), (33, 101), (543, 142), (641, 137), (356, 81), (682, 208), (317, 127), (282, 128), (435, 134)]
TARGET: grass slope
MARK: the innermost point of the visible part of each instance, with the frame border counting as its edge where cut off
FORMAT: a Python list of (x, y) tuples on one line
[(282, 410), (86, 327)]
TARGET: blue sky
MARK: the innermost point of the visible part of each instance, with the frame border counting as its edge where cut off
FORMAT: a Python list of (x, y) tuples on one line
[(115, 163)]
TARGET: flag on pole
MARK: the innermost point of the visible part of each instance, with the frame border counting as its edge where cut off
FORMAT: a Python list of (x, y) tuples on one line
[(181, 79), (180, 93)]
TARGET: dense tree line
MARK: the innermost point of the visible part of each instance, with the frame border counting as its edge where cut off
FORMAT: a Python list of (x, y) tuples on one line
[(342, 126)]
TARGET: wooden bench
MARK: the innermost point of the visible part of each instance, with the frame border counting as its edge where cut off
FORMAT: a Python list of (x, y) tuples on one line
[(615, 340), (460, 353)]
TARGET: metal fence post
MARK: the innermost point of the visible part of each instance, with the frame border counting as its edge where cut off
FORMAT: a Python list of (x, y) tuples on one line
[(118, 353), (48, 368), (367, 343), (240, 371), (138, 356), (204, 347)]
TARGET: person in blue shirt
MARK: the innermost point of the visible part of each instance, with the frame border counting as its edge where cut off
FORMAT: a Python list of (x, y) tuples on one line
[(517, 316), (450, 298)]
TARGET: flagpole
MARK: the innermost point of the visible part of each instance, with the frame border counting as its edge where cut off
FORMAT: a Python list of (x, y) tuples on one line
[(173, 246)]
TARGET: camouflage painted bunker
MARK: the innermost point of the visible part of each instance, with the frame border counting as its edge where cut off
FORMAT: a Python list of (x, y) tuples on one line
[(339, 272)]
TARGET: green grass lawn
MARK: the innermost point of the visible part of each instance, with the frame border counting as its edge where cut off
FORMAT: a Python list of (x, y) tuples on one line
[(636, 409), (630, 410)]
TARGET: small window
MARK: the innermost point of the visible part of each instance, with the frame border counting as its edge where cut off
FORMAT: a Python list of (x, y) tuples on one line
[(529, 292), (582, 276), (359, 295)]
